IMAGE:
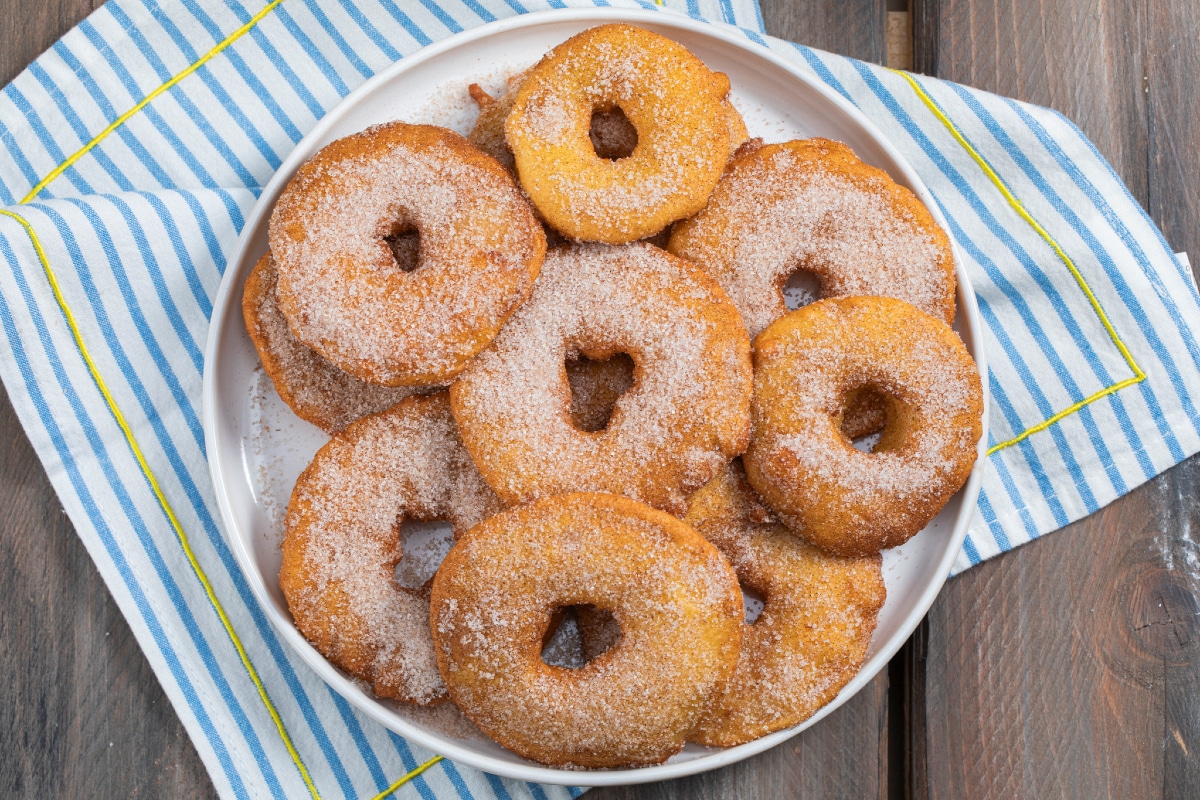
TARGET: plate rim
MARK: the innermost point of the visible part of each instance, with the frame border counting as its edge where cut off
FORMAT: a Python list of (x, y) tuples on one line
[(433, 740)]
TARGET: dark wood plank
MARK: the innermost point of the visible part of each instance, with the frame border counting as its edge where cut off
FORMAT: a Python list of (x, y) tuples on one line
[(27, 29), (844, 755), (1173, 157), (855, 28), (1071, 666)]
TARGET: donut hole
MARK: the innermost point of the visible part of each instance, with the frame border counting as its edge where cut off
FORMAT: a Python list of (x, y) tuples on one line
[(801, 288), (404, 243), (424, 546), (596, 386), (873, 420), (613, 136), (577, 634), (753, 602)]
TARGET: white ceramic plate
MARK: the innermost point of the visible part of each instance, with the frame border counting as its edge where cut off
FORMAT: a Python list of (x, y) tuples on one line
[(257, 447)]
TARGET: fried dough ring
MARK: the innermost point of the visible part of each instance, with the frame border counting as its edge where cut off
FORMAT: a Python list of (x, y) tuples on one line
[(685, 416), (612, 134), (339, 284), (673, 100), (842, 500), (816, 624), (342, 543), (674, 596), (317, 391), (813, 205)]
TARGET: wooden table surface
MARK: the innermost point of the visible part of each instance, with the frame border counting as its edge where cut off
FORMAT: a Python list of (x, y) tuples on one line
[(1067, 668)]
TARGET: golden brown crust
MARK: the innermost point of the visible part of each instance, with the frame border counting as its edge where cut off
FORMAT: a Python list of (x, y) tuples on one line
[(813, 205), (317, 391), (677, 106), (818, 616), (342, 542), (674, 596), (685, 416), (840, 499), (480, 250)]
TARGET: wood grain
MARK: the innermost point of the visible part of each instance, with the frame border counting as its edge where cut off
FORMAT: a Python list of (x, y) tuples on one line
[(1071, 667), (855, 28)]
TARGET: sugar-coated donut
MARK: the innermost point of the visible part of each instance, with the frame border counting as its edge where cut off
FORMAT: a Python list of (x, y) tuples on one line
[(685, 416), (805, 365), (674, 596), (813, 205), (612, 134), (342, 543), (340, 286), (316, 390), (676, 104), (816, 623)]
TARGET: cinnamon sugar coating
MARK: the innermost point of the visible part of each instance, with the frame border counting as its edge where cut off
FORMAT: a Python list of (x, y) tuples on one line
[(676, 104), (685, 416), (674, 596), (805, 365), (343, 543), (340, 286), (818, 616), (813, 205), (317, 391), (612, 134)]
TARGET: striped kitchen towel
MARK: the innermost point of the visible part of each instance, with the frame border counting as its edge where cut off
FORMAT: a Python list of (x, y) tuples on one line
[(131, 152)]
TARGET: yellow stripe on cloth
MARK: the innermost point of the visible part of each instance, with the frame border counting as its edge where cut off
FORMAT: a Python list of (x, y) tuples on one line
[(1019, 207), (406, 778), (121, 120), (162, 499)]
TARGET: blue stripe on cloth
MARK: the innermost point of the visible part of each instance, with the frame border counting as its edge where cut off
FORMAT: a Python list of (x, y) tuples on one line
[(80, 486), (19, 161), (43, 134), (361, 20), (456, 779), (64, 107), (150, 548), (285, 18), (174, 457), (1105, 259), (370, 759), (152, 115), (160, 287), (1012, 416), (343, 46), (497, 787), (184, 258), (409, 26), (410, 763), (225, 99), (93, 89), (180, 96), (1016, 498)]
